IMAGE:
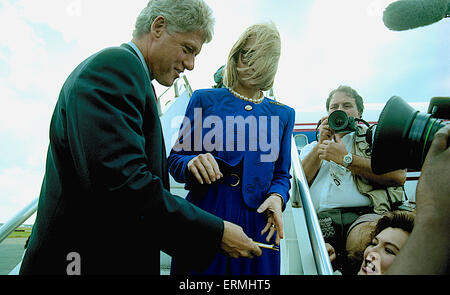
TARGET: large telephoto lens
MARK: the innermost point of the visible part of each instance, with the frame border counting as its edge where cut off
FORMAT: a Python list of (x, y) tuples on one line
[(403, 137)]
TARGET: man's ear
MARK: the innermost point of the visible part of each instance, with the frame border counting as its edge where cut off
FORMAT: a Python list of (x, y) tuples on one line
[(159, 25)]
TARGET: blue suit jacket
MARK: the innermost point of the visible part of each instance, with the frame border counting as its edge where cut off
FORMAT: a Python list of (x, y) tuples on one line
[(216, 122)]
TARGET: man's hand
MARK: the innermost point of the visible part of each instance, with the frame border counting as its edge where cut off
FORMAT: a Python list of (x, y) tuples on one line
[(325, 132), (311, 163), (433, 188), (429, 241), (331, 252), (272, 205), (332, 151), (205, 168), (236, 243)]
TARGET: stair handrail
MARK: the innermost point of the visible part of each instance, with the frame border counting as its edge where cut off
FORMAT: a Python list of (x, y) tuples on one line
[(18, 219), (319, 250)]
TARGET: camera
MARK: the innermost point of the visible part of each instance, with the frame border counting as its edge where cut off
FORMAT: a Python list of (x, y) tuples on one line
[(340, 122), (404, 135)]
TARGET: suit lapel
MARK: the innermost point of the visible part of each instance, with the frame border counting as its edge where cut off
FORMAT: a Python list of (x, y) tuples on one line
[(153, 106)]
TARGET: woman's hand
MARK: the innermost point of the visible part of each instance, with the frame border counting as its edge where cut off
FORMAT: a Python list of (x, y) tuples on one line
[(272, 205), (205, 168)]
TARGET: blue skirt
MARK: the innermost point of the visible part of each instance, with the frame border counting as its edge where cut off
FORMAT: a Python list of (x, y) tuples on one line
[(226, 202)]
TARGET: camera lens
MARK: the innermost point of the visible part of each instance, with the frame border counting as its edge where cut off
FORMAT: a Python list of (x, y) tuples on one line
[(338, 120), (420, 137), (403, 137)]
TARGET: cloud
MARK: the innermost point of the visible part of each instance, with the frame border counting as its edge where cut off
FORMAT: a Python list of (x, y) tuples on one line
[(19, 187), (28, 89), (87, 22), (339, 46), (324, 44)]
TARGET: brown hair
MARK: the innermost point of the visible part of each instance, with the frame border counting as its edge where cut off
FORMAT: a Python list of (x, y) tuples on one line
[(350, 92), (396, 219)]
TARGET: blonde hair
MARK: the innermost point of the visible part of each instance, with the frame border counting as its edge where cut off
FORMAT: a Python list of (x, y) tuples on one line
[(263, 60)]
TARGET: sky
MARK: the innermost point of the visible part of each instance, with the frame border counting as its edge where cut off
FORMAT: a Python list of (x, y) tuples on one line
[(325, 43)]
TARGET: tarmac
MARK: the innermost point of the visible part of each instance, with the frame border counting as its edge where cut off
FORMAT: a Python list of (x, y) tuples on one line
[(11, 251)]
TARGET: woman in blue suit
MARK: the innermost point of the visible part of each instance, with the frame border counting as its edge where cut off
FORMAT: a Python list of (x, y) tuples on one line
[(234, 151)]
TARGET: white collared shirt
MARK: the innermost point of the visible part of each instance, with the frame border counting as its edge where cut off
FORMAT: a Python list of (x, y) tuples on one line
[(334, 186), (141, 58)]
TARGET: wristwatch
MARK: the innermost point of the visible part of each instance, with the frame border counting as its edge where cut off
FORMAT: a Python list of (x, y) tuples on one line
[(348, 159)]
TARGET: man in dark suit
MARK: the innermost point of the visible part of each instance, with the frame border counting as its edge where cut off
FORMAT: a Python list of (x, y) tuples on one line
[(104, 200)]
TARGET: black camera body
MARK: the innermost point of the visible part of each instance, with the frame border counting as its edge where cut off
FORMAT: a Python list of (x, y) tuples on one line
[(404, 135), (340, 122)]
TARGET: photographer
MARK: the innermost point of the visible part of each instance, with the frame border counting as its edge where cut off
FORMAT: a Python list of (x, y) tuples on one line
[(338, 170), (429, 242)]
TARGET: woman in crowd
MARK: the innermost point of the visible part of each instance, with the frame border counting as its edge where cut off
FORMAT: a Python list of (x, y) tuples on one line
[(373, 241), (391, 233)]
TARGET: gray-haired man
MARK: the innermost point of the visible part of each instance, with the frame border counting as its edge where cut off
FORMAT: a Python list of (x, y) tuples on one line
[(104, 206)]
